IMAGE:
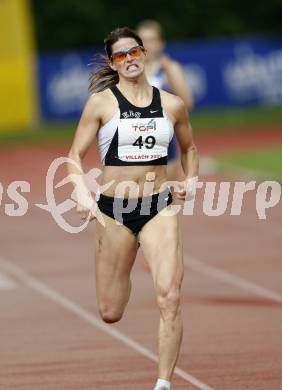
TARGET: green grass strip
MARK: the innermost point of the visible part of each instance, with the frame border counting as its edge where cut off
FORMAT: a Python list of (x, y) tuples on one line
[(266, 163), (228, 119)]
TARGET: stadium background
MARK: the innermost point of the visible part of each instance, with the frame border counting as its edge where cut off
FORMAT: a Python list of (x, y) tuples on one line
[(233, 292), (233, 61)]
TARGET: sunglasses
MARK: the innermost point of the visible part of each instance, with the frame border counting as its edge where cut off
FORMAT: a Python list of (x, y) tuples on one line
[(134, 52)]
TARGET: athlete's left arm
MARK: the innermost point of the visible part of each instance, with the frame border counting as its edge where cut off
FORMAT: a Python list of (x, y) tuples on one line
[(188, 150)]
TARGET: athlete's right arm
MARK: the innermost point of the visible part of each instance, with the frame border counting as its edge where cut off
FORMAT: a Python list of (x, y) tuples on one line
[(86, 131), (87, 128)]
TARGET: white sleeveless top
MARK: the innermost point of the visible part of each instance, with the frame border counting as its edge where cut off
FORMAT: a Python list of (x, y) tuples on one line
[(136, 135)]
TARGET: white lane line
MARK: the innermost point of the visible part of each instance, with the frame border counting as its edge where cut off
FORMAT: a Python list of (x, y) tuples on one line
[(6, 283), (229, 278), (59, 299)]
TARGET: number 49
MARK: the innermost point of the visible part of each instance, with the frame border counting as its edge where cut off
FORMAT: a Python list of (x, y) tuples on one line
[(149, 142)]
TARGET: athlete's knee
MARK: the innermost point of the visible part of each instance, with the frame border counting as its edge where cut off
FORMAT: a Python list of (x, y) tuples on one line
[(111, 319), (169, 302), (110, 314)]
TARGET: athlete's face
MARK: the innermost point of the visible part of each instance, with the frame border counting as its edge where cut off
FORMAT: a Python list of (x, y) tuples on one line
[(152, 42), (133, 64)]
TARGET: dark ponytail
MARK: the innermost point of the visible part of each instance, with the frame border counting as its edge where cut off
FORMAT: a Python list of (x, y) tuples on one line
[(104, 76)]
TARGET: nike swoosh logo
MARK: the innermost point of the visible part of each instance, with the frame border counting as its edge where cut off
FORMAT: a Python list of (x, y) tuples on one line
[(152, 112)]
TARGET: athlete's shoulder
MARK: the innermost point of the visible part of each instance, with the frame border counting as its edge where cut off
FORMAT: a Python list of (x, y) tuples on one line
[(172, 101), (101, 97), (99, 101)]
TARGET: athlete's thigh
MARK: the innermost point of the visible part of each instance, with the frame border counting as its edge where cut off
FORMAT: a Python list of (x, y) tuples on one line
[(115, 252), (161, 244)]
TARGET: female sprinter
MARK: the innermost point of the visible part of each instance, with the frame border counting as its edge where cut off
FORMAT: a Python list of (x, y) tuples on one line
[(133, 123)]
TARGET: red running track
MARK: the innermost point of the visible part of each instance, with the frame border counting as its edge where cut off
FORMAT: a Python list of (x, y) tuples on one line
[(51, 337)]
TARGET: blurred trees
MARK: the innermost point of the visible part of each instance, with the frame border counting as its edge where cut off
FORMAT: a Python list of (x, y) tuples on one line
[(67, 24)]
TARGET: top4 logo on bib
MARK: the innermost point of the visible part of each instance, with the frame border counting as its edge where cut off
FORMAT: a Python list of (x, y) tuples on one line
[(151, 125)]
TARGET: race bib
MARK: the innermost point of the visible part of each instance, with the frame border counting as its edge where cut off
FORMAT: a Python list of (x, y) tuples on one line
[(143, 139)]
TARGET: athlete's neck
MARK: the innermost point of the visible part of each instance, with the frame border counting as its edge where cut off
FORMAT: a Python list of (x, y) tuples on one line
[(137, 91)]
